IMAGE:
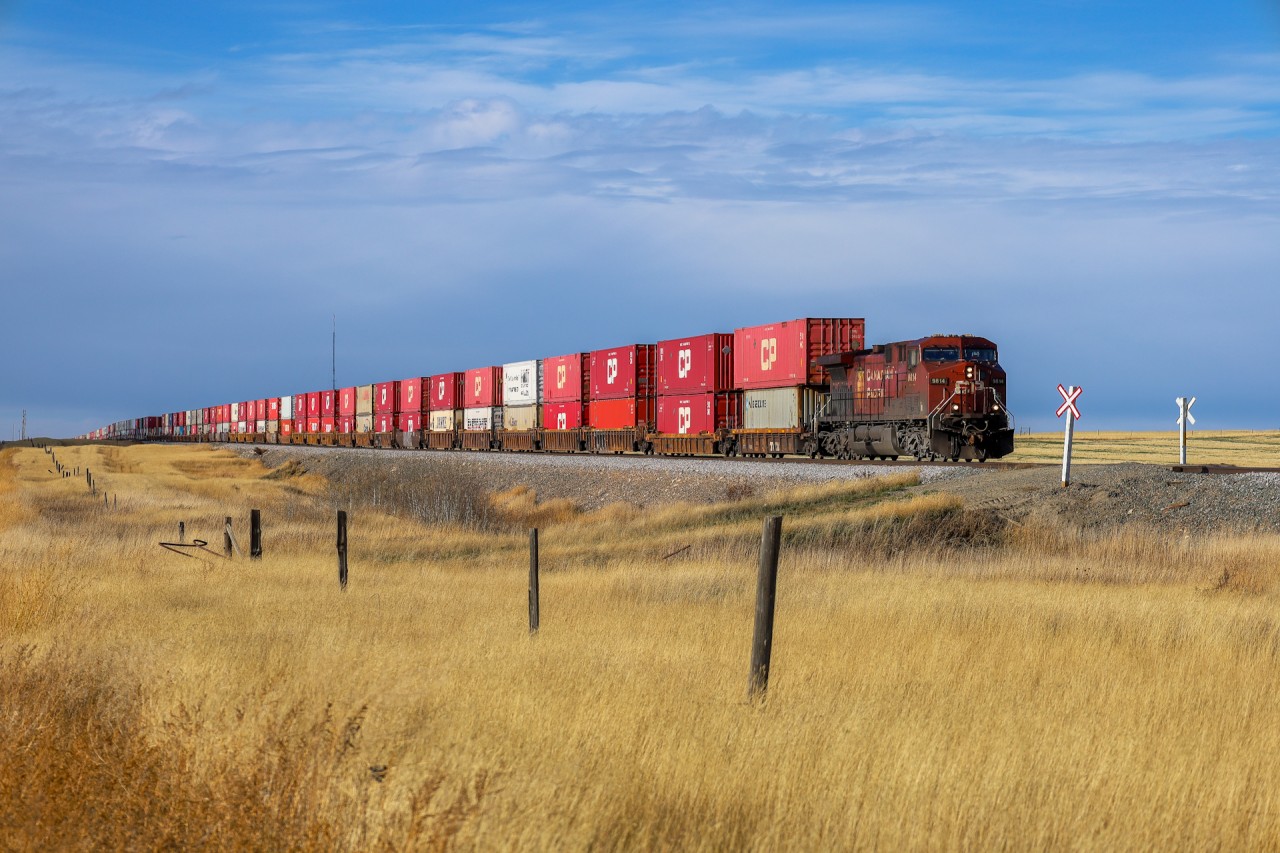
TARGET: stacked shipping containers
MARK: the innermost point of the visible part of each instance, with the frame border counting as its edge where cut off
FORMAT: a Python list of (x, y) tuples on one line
[(781, 386), (622, 388), (521, 395), (696, 395), (385, 396), (482, 399), (411, 405), (444, 402), (566, 391)]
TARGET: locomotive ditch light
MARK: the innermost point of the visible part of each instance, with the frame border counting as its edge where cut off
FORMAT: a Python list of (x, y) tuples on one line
[(968, 371), (955, 407)]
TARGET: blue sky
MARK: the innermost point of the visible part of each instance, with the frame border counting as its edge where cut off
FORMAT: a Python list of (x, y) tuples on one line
[(189, 192)]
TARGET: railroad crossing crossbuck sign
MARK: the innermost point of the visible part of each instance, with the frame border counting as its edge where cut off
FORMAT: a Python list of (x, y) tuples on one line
[(1184, 410), (1069, 402)]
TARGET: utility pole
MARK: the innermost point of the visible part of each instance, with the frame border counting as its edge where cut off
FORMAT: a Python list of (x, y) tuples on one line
[(334, 375), (24, 424)]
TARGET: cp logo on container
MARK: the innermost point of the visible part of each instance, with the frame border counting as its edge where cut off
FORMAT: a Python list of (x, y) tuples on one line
[(684, 419), (562, 376), (479, 383), (610, 371), (562, 419), (684, 362), (768, 352)]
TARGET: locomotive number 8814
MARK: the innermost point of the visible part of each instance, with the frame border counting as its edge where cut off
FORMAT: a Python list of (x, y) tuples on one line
[(939, 397)]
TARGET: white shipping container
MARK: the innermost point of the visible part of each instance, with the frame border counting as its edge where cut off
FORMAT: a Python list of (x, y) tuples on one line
[(261, 425), (521, 417), (235, 412), (273, 427), (522, 383), (484, 418), (443, 421), (242, 427), (779, 408), (286, 408), (364, 423)]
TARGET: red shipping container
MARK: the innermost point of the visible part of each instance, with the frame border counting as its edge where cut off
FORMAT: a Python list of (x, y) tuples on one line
[(571, 415), (781, 354), (384, 398), (260, 410), (482, 388), (313, 424), (411, 397), (328, 424), (273, 408), (347, 403), (300, 424), (566, 378), (699, 413), (286, 427), (693, 365), (327, 401), (621, 413), (384, 422), (346, 423), (313, 404), (622, 372), (445, 392), (409, 421)]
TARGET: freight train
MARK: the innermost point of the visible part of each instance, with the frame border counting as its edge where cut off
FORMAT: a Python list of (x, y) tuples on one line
[(801, 387)]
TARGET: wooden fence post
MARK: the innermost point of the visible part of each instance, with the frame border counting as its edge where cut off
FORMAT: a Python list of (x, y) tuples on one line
[(228, 541), (533, 581), (766, 589), (342, 549), (255, 534), (182, 531)]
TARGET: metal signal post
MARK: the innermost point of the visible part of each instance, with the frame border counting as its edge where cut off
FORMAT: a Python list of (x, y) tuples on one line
[(1184, 415), (1068, 407)]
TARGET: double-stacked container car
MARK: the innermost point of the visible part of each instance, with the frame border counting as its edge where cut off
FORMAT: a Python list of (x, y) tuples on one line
[(623, 398), (698, 407), (566, 406), (782, 386)]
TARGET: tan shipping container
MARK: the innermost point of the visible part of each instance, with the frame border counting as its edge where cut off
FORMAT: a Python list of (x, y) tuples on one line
[(364, 404), (364, 423), (779, 408), (449, 419), (521, 417)]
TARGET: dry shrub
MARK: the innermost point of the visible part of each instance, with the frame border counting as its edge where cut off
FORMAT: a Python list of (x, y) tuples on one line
[(455, 499), (519, 507)]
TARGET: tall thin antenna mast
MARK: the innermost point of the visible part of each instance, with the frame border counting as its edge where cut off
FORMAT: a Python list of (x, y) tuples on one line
[(334, 376), (24, 424)]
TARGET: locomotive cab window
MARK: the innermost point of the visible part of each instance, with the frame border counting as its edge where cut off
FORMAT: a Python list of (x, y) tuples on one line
[(983, 354), (913, 356), (942, 353)]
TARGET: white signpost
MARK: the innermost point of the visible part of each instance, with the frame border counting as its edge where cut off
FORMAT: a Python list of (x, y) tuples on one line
[(1068, 408), (1184, 415)]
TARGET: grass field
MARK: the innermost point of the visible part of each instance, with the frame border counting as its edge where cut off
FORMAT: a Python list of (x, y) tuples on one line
[(1234, 447), (940, 680)]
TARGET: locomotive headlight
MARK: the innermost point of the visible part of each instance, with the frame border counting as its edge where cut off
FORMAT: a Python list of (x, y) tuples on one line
[(955, 407), (968, 371)]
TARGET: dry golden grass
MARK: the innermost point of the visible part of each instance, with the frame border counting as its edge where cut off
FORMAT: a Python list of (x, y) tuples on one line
[(1230, 447), (939, 680)]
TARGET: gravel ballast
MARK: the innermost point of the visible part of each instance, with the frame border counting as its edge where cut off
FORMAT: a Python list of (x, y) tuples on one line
[(1100, 497)]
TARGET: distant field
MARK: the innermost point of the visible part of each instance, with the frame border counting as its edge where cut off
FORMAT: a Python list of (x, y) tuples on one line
[(1238, 447), (941, 680)]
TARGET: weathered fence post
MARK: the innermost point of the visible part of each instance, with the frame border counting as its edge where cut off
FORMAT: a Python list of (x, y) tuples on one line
[(227, 541), (533, 581), (255, 534), (342, 549), (766, 588), (182, 531)]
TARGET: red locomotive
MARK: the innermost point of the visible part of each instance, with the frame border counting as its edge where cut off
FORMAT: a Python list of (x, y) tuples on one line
[(940, 397)]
